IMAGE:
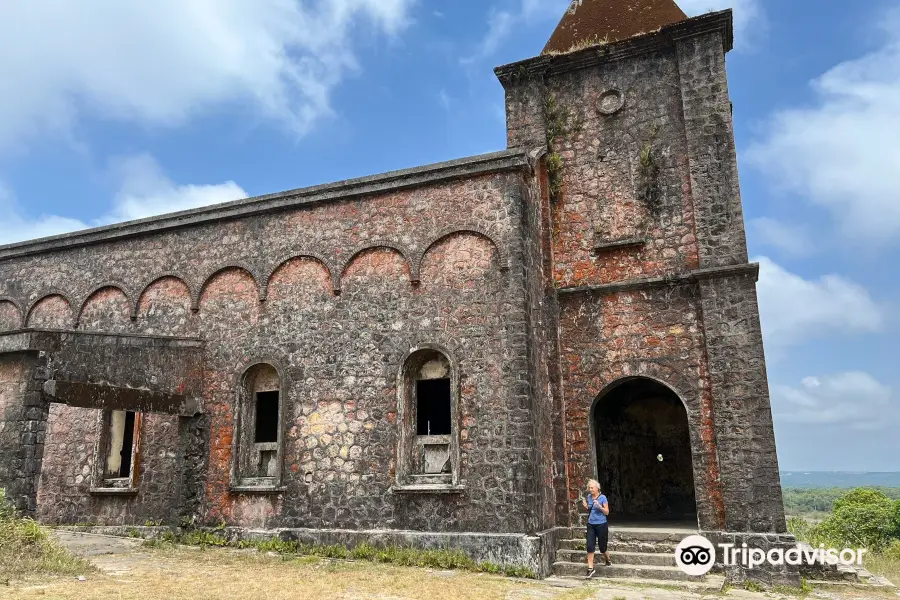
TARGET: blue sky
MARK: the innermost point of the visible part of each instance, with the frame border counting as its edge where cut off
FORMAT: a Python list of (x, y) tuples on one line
[(108, 113)]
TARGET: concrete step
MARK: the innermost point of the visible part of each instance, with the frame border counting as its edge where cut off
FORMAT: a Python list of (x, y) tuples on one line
[(711, 585), (625, 533), (619, 545), (579, 569), (655, 559)]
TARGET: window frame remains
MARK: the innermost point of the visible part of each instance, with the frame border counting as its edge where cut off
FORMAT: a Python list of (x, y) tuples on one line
[(103, 483), (249, 456), (427, 463)]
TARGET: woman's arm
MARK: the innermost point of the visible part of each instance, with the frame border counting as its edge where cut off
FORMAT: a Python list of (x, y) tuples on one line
[(604, 508)]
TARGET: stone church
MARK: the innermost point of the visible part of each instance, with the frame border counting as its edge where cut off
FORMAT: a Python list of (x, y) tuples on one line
[(440, 356)]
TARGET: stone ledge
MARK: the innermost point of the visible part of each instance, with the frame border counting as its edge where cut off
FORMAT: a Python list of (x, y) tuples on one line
[(609, 246), (749, 269), (257, 489), (426, 488), (123, 491)]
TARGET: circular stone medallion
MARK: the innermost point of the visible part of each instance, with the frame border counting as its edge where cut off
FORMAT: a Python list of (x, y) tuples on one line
[(610, 102)]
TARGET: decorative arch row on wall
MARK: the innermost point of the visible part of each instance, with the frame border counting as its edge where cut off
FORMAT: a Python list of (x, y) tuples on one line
[(15, 314)]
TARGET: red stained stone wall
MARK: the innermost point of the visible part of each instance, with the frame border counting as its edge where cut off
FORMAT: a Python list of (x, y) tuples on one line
[(165, 309), (10, 317), (444, 280), (107, 310), (52, 312)]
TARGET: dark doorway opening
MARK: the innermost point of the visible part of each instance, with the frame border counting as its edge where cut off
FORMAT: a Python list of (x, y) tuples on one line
[(644, 461), (266, 418), (127, 445), (433, 408)]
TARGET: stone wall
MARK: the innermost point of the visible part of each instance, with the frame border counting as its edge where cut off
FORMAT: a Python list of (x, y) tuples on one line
[(22, 428), (48, 451), (68, 474), (543, 368), (334, 294), (650, 333), (649, 253)]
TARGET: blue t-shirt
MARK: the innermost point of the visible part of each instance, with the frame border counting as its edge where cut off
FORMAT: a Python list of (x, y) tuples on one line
[(597, 517)]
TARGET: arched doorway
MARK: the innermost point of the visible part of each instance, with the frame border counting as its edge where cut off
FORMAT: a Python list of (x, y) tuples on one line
[(643, 451)]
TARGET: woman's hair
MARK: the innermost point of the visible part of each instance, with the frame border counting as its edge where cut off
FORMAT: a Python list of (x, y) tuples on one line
[(593, 482)]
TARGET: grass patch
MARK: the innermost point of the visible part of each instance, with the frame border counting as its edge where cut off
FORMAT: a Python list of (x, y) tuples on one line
[(27, 551), (886, 564)]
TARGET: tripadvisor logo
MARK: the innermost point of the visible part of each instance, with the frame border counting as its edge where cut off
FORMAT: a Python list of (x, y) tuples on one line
[(695, 555)]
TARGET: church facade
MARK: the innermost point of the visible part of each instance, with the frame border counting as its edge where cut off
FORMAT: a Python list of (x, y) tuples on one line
[(440, 356)]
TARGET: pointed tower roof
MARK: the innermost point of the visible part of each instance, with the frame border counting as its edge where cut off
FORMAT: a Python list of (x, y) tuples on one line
[(611, 20)]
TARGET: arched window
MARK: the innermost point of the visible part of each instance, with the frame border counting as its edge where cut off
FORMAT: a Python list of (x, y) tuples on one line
[(258, 424), (429, 447)]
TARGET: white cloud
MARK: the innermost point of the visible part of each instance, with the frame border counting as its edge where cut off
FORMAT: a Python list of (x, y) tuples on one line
[(144, 191), (854, 399), (14, 227), (748, 16), (841, 151), (794, 310), (159, 63), (502, 22), (794, 240), (500, 25)]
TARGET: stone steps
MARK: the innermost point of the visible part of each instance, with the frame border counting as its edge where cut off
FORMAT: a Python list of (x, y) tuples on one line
[(658, 573), (638, 554), (617, 545), (713, 584), (673, 536), (654, 559)]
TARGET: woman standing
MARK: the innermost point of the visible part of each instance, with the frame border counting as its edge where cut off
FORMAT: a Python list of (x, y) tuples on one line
[(597, 528)]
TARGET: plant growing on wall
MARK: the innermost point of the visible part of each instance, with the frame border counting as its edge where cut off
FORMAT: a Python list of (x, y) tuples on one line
[(560, 121), (648, 189)]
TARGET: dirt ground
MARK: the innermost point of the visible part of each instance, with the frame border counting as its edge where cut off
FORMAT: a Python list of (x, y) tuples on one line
[(130, 571)]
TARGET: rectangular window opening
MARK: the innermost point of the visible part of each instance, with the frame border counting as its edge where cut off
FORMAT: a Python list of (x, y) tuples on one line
[(266, 418), (433, 407), (121, 444)]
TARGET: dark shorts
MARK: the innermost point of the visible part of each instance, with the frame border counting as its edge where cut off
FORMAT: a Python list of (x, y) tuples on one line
[(597, 537)]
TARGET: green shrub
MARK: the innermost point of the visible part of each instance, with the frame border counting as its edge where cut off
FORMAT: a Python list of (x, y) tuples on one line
[(203, 538), (276, 544), (862, 518), (522, 572), (364, 552), (489, 567), (896, 519)]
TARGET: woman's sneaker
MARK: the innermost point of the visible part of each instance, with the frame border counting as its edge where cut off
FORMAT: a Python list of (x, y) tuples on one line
[(591, 572)]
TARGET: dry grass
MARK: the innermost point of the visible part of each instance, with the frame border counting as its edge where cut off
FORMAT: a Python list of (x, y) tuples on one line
[(27, 551), (884, 565), (223, 574)]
